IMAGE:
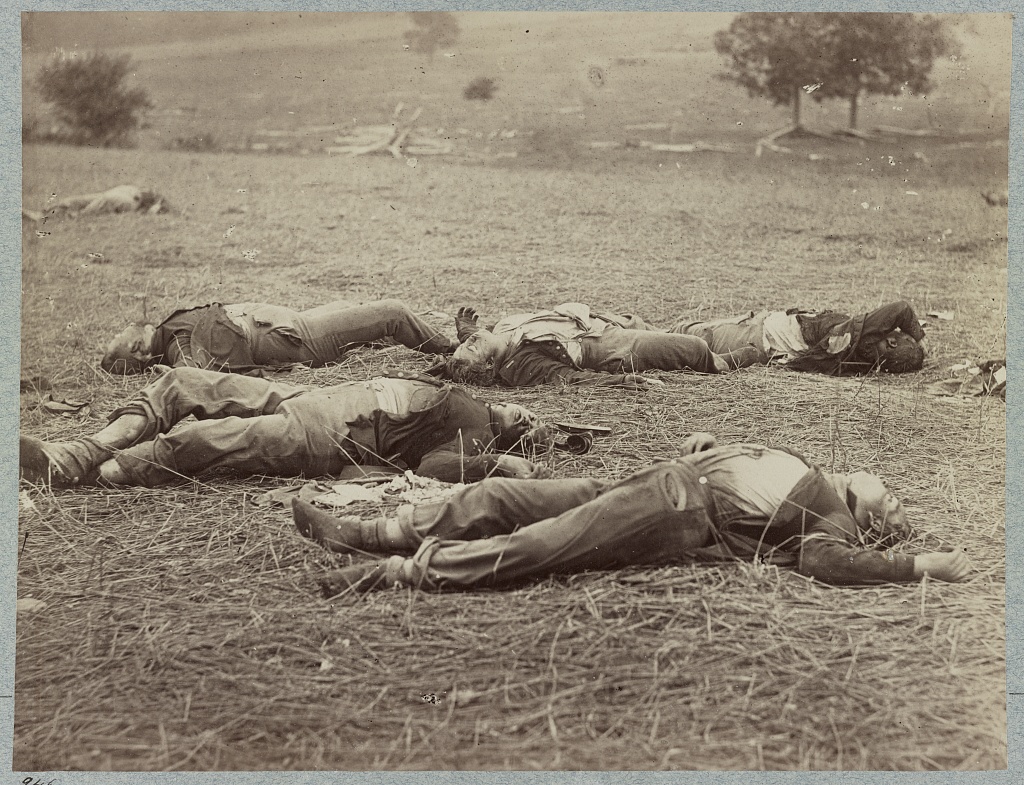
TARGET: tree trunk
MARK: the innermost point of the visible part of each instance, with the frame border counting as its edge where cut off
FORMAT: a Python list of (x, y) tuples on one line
[(853, 111), (796, 106)]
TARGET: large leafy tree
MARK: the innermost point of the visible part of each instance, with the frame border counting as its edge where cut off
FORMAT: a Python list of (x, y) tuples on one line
[(781, 56), (772, 55)]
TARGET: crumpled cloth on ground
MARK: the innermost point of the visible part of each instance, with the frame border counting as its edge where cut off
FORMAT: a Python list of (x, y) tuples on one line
[(362, 484), (969, 380)]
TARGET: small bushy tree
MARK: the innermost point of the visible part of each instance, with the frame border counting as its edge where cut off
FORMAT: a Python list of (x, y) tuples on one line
[(91, 98), (882, 54), (480, 89), (434, 30)]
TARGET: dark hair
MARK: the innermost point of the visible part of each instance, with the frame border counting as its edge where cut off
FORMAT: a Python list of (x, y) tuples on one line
[(901, 353), (879, 533), (471, 373), (122, 366), (150, 199), (540, 439)]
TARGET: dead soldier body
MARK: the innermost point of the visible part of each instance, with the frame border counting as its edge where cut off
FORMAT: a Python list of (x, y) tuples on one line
[(575, 345), (119, 199), (255, 426), (713, 503), (889, 338), (247, 336)]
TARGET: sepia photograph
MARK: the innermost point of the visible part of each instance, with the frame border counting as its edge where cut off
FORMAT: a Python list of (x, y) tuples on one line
[(512, 391)]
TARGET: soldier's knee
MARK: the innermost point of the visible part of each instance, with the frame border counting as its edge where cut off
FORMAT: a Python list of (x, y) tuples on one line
[(393, 308)]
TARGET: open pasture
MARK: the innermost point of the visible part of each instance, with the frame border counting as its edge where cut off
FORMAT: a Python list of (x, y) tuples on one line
[(182, 629)]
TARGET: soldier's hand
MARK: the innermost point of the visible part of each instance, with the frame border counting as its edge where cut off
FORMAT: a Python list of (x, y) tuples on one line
[(520, 468), (467, 322), (697, 442), (643, 382), (159, 369), (951, 566)]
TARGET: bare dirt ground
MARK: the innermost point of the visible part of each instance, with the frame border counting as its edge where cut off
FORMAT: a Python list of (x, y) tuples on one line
[(182, 629)]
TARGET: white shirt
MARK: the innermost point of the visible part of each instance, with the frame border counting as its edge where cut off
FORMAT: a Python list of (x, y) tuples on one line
[(755, 479), (402, 396), (782, 335)]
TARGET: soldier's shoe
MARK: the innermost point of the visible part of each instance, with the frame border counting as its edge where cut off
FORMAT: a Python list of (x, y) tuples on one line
[(744, 358), (34, 464), (341, 535), (60, 464), (357, 577)]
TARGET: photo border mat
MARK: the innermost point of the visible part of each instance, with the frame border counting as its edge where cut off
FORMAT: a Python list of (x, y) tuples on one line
[(10, 288)]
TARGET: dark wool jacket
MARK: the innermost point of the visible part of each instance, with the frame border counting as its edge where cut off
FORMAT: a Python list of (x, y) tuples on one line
[(203, 337), (813, 532), (865, 332), (545, 362), (451, 438)]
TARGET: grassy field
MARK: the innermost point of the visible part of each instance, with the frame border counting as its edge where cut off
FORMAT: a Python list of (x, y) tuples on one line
[(182, 629)]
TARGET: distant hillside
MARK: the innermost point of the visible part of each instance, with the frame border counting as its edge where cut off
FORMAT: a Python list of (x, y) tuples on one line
[(576, 77)]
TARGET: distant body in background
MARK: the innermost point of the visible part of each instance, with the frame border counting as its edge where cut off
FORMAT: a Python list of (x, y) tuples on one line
[(248, 336), (120, 199)]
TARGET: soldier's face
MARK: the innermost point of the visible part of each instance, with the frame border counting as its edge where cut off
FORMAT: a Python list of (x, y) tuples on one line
[(517, 422), (877, 508), (134, 343), (478, 349)]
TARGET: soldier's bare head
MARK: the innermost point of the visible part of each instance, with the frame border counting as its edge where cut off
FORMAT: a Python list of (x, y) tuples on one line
[(130, 350)]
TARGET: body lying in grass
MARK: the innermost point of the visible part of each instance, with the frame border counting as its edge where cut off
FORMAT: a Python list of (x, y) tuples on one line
[(247, 336), (575, 345), (713, 503), (255, 426), (571, 343), (119, 199), (889, 338)]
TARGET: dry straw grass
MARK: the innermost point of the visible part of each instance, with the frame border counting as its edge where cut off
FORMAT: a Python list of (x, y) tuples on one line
[(182, 629)]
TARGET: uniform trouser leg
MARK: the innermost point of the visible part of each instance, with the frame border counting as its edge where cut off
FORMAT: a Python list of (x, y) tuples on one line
[(328, 331), (205, 395), (273, 444), (495, 506), (634, 351), (246, 425), (731, 334), (652, 517)]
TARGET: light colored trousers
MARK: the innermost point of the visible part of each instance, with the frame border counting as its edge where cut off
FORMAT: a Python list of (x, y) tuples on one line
[(730, 334), (618, 350)]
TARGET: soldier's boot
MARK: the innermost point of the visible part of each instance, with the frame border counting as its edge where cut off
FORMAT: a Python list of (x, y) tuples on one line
[(356, 577), (743, 358), (349, 534), (61, 464), (339, 534)]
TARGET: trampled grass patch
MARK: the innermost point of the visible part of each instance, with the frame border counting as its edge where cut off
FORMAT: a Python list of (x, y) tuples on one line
[(182, 629)]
